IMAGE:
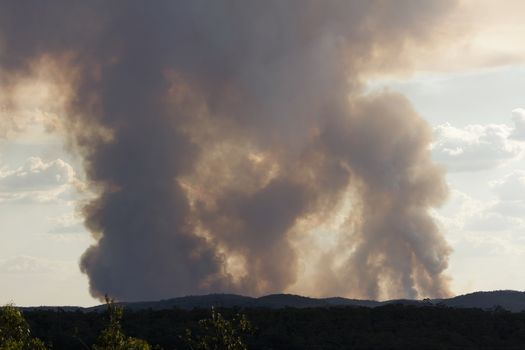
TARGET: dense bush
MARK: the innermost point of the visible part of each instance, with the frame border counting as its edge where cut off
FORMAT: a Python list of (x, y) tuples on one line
[(112, 337), (387, 327), (217, 333), (63, 330), (15, 333)]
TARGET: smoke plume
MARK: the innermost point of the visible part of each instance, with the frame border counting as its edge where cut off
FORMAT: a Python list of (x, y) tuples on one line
[(220, 135)]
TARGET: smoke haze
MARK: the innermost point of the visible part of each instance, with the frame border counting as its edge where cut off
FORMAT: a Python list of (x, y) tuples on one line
[(218, 136)]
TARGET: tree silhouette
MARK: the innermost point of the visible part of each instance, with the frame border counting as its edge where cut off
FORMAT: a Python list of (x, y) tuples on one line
[(217, 333), (113, 338)]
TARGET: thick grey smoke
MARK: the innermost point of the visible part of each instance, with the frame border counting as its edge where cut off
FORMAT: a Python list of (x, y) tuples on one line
[(214, 131)]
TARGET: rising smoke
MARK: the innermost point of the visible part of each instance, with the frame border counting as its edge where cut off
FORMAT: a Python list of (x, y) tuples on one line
[(215, 133)]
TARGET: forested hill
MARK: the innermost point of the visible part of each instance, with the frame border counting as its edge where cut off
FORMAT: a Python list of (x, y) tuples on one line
[(509, 300), (393, 326), (294, 322)]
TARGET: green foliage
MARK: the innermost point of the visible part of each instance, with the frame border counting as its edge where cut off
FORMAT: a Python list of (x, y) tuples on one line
[(219, 333), (15, 333), (113, 338)]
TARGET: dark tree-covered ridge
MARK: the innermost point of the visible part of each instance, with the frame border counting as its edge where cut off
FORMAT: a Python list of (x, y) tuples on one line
[(393, 326)]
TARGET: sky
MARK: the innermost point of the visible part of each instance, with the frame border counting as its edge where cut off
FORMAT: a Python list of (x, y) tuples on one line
[(469, 90)]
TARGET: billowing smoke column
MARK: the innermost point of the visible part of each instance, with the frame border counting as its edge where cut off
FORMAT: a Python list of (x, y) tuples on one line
[(218, 133)]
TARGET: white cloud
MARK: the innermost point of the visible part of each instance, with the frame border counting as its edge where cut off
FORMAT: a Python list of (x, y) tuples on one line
[(511, 187), (490, 220), (510, 191), (518, 117), (465, 215), (68, 224), (38, 181), (459, 211), (35, 174), (475, 147), (500, 219), (513, 208)]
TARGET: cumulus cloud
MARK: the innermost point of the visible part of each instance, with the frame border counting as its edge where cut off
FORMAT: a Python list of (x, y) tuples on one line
[(518, 117), (36, 174), (67, 224), (511, 187), (491, 220), (38, 180), (513, 208), (460, 208), (465, 214), (510, 190), (475, 147)]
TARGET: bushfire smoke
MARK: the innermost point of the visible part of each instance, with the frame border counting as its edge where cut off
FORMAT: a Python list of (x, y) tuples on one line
[(218, 134)]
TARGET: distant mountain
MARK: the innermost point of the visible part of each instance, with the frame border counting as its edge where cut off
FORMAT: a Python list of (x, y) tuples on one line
[(274, 301), (339, 301), (510, 300), (194, 302)]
